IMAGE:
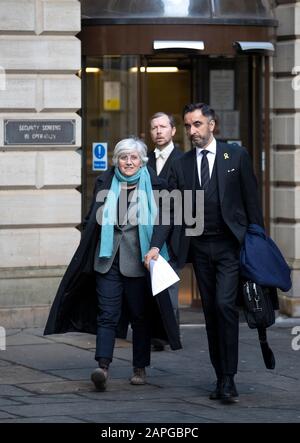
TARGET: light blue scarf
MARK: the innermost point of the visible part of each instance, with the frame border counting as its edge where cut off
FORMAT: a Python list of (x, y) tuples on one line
[(146, 212)]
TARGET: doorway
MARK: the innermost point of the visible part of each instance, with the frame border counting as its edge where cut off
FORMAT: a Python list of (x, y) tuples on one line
[(122, 92)]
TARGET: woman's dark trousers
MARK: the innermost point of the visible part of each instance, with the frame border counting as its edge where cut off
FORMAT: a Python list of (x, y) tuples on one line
[(113, 289)]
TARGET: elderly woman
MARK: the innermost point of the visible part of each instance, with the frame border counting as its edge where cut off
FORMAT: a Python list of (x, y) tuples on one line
[(107, 272)]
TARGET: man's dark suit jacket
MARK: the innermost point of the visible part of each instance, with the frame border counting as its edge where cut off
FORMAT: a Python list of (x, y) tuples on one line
[(238, 195), (176, 154), (164, 173)]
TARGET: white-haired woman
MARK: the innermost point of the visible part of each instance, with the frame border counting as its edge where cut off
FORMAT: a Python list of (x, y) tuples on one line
[(107, 272)]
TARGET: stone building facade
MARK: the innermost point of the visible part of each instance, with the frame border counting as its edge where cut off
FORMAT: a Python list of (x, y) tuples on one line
[(39, 203), (285, 168)]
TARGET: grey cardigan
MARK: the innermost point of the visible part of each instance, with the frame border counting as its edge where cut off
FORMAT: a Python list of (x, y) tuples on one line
[(126, 242)]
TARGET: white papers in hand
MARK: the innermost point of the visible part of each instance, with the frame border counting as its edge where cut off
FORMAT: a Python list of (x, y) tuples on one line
[(162, 275)]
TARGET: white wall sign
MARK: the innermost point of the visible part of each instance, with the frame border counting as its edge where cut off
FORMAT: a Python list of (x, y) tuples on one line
[(221, 89), (112, 96), (229, 124), (100, 156)]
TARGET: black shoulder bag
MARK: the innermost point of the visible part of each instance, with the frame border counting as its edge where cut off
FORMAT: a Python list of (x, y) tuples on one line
[(259, 314)]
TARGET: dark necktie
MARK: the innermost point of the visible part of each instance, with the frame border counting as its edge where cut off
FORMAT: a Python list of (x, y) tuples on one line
[(204, 170)]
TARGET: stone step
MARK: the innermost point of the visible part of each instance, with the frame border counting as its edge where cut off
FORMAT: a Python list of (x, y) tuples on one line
[(24, 316)]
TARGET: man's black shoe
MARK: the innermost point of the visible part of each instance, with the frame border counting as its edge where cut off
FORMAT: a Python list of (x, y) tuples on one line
[(228, 391), (216, 393)]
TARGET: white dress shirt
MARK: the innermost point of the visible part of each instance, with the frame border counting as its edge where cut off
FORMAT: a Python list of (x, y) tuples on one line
[(211, 156), (162, 156)]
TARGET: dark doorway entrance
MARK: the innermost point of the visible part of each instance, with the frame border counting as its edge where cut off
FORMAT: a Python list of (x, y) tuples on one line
[(125, 81)]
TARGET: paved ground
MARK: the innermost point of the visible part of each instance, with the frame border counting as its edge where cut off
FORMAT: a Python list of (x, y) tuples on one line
[(47, 379)]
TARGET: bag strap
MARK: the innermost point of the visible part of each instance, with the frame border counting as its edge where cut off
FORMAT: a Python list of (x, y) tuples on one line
[(267, 352)]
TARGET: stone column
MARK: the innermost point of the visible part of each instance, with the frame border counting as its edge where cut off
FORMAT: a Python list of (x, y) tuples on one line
[(40, 206), (286, 147)]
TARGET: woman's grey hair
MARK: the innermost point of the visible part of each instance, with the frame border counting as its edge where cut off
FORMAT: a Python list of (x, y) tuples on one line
[(128, 145)]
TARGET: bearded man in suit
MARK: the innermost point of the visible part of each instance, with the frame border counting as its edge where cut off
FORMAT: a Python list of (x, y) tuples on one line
[(231, 202)]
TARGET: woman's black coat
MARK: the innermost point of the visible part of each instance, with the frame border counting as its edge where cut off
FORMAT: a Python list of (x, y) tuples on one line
[(75, 305)]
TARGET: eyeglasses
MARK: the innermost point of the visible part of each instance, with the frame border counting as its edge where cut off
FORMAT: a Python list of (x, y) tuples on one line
[(133, 158)]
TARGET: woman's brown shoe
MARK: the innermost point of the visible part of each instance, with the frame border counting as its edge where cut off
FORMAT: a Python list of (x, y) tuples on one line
[(99, 378), (139, 376)]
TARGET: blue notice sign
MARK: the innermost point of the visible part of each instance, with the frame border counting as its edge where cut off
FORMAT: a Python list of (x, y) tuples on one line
[(99, 156)]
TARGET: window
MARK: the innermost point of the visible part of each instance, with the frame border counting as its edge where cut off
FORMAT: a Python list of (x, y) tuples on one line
[(243, 8)]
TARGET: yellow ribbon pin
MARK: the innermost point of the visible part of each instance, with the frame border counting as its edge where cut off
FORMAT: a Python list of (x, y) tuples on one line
[(226, 156)]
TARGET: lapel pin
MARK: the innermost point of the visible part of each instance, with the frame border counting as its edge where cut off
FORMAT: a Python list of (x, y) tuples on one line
[(226, 156)]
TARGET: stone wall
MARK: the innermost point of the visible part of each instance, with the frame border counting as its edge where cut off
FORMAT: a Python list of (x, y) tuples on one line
[(40, 206), (286, 147)]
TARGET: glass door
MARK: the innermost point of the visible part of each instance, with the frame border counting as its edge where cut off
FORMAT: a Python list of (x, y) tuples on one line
[(110, 110), (166, 88)]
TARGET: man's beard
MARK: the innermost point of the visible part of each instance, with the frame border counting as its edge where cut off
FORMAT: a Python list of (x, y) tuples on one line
[(200, 142)]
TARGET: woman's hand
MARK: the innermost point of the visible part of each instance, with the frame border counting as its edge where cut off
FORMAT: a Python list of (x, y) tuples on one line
[(152, 254)]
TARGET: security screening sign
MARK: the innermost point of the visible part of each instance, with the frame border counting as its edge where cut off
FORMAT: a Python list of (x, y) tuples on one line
[(99, 156)]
